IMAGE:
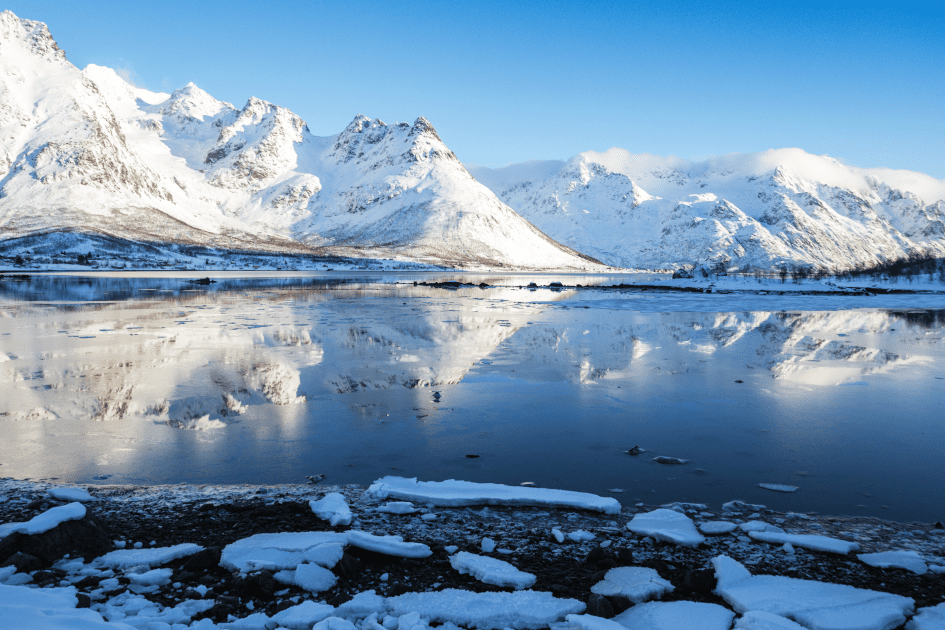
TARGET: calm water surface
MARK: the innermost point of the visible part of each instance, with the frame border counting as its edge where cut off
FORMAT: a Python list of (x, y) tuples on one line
[(138, 378)]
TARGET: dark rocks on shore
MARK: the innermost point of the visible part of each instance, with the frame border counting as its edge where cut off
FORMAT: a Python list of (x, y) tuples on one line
[(85, 538)]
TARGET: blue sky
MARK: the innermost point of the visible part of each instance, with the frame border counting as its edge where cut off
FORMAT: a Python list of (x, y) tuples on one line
[(509, 81)]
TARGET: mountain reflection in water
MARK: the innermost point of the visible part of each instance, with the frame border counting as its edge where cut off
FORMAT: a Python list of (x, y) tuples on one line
[(268, 380)]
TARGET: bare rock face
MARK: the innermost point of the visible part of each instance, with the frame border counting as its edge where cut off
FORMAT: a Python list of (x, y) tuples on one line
[(85, 538)]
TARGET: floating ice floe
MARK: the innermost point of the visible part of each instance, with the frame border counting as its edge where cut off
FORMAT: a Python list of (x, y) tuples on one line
[(397, 507), (931, 618), (667, 525), (815, 605), (676, 616), (453, 493), (491, 570), (521, 610), (778, 487), (760, 526), (126, 558), (682, 505), (910, 560), (332, 508), (716, 528), (46, 521), (759, 620), (741, 506), (814, 542), (638, 584), (70, 494), (663, 459), (309, 576)]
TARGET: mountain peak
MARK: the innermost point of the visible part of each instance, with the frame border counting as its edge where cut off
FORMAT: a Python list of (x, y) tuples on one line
[(34, 34)]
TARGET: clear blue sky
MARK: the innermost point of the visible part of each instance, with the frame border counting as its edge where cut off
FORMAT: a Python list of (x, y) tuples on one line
[(511, 81)]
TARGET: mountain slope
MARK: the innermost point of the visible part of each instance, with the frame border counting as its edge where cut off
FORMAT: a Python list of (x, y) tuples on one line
[(84, 151), (762, 210)]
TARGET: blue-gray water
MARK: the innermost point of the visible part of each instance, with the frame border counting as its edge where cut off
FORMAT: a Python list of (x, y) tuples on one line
[(109, 379)]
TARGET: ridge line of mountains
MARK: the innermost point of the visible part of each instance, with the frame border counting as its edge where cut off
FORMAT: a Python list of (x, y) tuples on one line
[(86, 158)]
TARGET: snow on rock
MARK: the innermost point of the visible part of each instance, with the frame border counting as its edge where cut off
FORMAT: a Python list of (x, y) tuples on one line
[(676, 616), (759, 620), (491, 570), (453, 493), (778, 487), (667, 525), (397, 507), (486, 611), (23, 608), (760, 526), (638, 584), (815, 605), (716, 528), (931, 618), (311, 577), (910, 560), (126, 558), (813, 542), (46, 521), (70, 494), (285, 550), (332, 508), (303, 616)]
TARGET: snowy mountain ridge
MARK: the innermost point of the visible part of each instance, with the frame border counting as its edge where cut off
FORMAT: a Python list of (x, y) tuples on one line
[(765, 209), (84, 152)]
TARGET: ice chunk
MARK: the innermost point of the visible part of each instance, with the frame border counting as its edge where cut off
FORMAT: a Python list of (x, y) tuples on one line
[(580, 535), (361, 605), (759, 620), (311, 577), (256, 621), (46, 521), (70, 494), (452, 493), (397, 507), (663, 459), (154, 577), (491, 570), (910, 560), (667, 525), (126, 558), (488, 545), (931, 618), (286, 550), (590, 622), (741, 506), (715, 528), (332, 508), (676, 616), (390, 545), (813, 542), (23, 608), (558, 534), (778, 487), (815, 605), (638, 584), (759, 526), (486, 611), (303, 616), (336, 623)]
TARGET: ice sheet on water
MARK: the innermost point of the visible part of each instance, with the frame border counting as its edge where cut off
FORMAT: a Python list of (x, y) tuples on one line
[(453, 493), (676, 616), (46, 521), (491, 570), (930, 618), (486, 611), (910, 560), (778, 487), (125, 558), (332, 508), (638, 584), (667, 525), (70, 494), (814, 542), (815, 605)]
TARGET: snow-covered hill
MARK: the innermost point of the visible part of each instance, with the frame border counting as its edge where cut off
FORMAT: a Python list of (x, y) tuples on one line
[(83, 151), (763, 210)]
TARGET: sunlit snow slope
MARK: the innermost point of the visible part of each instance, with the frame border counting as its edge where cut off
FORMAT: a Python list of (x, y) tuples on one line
[(763, 209), (83, 151)]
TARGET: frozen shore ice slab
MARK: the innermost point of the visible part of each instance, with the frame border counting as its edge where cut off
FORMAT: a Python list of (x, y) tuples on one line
[(910, 560), (931, 618), (813, 542), (815, 605), (717, 528), (390, 545), (638, 584), (302, 616), (309, 576), (70, 494), (667, 525), (491, 570), (676, 616), (24, 608), (332, 508), (46, 521), (758, 620), (126, 558), (453, 493), (521, 610)]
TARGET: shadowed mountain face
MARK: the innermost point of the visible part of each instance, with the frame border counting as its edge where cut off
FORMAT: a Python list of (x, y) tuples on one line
[(84, 151)]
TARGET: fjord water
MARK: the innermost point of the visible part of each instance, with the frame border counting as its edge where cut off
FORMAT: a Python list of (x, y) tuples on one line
[(149, 379)]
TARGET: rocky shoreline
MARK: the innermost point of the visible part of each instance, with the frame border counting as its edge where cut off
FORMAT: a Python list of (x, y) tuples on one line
[(215, 516)]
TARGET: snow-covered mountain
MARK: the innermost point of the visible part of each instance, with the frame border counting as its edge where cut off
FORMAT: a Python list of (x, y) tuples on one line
[(83, 151), (763, 210)]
